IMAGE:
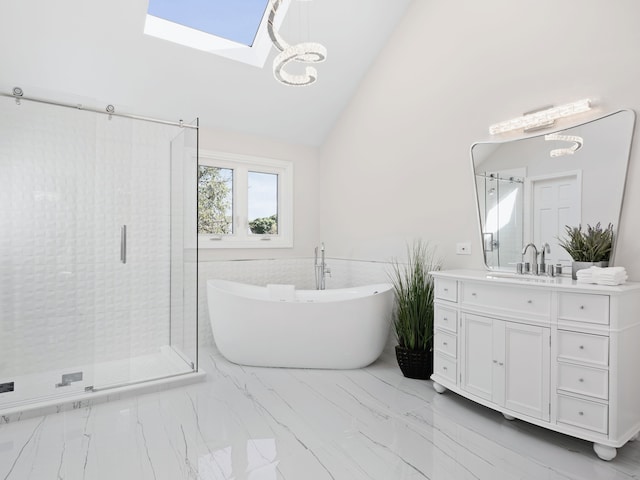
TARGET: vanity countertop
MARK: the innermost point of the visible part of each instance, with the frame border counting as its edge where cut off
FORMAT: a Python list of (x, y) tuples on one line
[(542, 281)]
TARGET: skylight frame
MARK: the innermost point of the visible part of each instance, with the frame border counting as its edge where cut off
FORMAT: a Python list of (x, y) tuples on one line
[(255, 55)]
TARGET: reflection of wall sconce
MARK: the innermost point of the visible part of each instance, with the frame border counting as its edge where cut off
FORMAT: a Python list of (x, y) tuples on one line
[(559, 152), (541, 118)]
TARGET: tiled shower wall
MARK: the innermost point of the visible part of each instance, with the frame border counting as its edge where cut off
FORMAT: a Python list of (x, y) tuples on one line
[(68, 180), (299, 272)]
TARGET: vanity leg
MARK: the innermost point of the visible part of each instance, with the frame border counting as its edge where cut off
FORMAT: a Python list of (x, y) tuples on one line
[(634, 438), (605, 452), (439, 388), (508, 417)]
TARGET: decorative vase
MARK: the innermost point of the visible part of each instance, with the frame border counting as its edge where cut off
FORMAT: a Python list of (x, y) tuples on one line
[(415, 363), (575, 266)]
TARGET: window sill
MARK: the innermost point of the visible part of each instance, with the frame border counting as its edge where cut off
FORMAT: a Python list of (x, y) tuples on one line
[(211, 241)]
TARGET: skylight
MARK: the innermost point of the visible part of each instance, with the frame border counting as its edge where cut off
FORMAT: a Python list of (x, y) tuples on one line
[(235, 29), (234, 20)]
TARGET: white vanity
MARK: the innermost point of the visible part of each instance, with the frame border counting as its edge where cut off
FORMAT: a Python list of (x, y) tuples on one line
[(549, 351)]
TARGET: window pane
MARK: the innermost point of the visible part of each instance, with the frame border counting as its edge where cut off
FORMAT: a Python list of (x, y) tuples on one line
[(215, 200), (234, 20), (263, 203)]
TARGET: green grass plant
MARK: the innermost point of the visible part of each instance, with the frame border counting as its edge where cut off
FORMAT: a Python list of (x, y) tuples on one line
[(414, 294)]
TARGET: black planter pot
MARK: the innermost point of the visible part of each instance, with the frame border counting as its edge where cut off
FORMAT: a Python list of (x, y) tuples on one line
[(415, 364)]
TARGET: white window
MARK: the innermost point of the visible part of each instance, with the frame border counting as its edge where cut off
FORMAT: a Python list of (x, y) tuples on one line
[(244, 202)]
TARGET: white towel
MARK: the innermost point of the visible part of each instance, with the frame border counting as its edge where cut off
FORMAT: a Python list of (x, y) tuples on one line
[(602, 276), (282, 293), (585, 275)]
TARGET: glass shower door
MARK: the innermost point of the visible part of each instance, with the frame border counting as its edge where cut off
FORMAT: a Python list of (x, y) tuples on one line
[(92, 224), (47, 329), (184, 247), (134, 342)]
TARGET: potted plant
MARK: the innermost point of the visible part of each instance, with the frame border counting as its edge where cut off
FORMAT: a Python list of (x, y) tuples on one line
[(413, 311), (589, 248)]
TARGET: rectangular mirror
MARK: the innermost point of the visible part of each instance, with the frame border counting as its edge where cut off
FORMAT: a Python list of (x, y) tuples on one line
[(529, 189)]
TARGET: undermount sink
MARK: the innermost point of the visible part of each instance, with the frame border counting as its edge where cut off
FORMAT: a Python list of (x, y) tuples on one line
[(523, 277), (503, 275)]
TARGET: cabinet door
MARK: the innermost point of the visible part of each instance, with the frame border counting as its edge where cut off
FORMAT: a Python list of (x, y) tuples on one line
[(526, 369), (477, 355)]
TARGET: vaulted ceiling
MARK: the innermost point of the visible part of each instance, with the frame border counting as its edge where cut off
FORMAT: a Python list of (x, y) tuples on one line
[(95, 52)]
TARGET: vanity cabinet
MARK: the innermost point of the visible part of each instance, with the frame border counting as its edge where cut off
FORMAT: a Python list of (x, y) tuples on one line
[(506, 363), (549, 351)]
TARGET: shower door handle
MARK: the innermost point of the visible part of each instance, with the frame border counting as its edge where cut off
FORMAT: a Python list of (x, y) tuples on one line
[(123, 244), (489, 243)]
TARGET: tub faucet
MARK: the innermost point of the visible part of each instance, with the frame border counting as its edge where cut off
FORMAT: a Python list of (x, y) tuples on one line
[(534, 263), (321, 268), (545, 248)]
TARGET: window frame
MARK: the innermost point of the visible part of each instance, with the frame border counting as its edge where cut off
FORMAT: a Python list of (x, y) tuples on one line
[(241, 166)]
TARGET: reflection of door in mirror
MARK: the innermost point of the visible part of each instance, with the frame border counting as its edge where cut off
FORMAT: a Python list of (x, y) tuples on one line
[(555, 202)]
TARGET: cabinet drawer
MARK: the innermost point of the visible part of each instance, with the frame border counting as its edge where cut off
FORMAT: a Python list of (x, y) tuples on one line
[(582, 307), (583, 348), (445, 343), (583, 413), (446, 289), (583, 380), (444, 367), (507, 299), (445, 318)]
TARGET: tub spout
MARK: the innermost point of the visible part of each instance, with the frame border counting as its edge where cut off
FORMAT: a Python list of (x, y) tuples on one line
[(321, 268)]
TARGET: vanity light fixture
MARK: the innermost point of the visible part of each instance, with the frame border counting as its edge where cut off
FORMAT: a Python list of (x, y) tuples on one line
[(307, 52), (559, 152), (541, 118)]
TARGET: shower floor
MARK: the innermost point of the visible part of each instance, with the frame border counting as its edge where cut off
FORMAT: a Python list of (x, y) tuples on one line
[(88, 382)]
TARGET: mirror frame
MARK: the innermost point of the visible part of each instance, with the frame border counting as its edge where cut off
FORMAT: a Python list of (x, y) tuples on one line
[(541, 133)]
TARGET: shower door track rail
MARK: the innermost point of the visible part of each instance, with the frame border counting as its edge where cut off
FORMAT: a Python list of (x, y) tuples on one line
[(109, 110)]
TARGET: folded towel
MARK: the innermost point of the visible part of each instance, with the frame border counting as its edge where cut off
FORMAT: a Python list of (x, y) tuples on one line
[(283, 293), (602, 276)]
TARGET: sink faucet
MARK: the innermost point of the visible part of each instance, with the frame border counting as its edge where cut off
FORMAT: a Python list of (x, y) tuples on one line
[(534, 263), (545, 248)]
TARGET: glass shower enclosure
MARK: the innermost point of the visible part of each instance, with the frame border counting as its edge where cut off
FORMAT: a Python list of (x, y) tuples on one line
[(501, 204), (98, 257)]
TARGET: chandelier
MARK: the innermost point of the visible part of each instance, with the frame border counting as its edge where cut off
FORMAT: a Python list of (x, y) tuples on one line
[(306, 52)]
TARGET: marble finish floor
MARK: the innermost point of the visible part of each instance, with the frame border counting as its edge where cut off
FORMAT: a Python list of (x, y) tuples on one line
[(285, 424)]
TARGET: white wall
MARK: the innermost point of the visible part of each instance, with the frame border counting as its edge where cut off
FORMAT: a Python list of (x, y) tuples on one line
[(305, 165), (396, 165)]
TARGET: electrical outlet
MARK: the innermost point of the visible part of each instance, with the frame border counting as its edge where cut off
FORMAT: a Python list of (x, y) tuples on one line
[(463, 248)]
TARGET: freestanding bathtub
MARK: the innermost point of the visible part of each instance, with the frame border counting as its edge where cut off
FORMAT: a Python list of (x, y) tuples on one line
[(277, 326)]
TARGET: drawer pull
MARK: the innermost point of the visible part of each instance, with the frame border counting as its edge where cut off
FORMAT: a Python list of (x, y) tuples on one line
[(581, 307), (581, 347), (495, 361), (529, 301), (581, 380), (473, 294), (444, 368), (581, 413), (444, 344), (446, 289), (445, 319), (500, 363)]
